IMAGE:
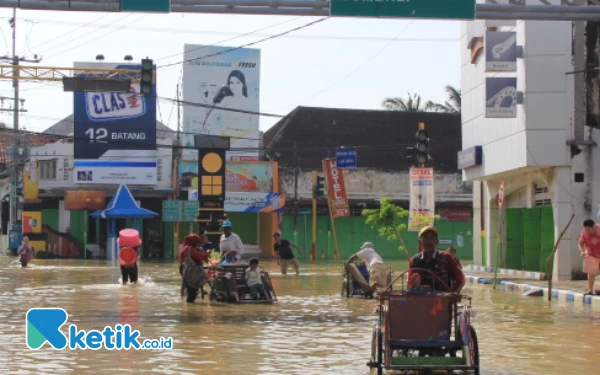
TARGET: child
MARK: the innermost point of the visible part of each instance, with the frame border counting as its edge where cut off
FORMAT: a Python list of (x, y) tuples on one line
[(25, 251), (254, 281), (129, 243)]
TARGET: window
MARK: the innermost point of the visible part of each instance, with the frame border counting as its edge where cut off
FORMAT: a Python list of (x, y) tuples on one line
[(47, 169)]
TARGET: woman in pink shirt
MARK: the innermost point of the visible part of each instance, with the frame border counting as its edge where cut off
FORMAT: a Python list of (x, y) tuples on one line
[(589, 246)]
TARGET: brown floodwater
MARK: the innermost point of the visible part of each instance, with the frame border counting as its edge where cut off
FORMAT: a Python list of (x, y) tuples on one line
[(310, 330)]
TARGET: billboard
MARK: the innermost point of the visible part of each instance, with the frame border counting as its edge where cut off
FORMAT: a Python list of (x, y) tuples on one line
[(336, 189), (501, 51), (115, 134), (240, 177), (221, 90), (500, 97), (422, 197)]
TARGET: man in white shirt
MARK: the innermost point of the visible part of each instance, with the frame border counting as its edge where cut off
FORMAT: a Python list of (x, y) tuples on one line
[(231, 246), (378, 272)]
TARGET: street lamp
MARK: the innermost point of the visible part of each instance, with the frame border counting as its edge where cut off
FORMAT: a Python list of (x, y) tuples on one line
[(128, 58)]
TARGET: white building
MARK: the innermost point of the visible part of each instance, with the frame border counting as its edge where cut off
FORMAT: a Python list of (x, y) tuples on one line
[(545, 177)]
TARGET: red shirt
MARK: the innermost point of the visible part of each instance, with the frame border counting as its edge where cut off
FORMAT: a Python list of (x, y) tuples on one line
[(197, 256), (591, 242), (443, 265)]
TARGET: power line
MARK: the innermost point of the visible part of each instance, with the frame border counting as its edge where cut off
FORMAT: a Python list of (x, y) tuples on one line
[(247, 44), (229, 39), (234, 34), (101, 36), (47, 41)]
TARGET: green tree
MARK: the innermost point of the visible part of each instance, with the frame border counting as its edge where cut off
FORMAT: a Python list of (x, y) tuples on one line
[(412, 104), (452, 105), (390, 220)]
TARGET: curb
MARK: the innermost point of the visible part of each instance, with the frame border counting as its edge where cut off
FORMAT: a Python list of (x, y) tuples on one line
[(561, 295), (503, 271)]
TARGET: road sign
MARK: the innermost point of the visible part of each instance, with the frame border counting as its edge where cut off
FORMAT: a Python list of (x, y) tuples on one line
[(432, 9), (171, 211), (501, 195), (154, 6), (346, 157), (190, 211)]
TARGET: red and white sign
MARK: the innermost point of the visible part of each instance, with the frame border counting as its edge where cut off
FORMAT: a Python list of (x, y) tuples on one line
[(501, 195), (422, 198), (336, 189)]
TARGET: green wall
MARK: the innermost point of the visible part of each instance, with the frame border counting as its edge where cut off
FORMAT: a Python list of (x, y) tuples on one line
[(50, 218), (352, 232), (77, 224)]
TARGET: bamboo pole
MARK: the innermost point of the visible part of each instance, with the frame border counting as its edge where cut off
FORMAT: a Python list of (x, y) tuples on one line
[(550, 260)]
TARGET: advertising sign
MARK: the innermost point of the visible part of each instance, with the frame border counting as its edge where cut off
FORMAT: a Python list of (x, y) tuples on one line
[(336, 189), (470, 157), (85, 200), (422, 197), (115, 134), (254, 202), (501, 51), (248, 177), (501, 97), (225, 88)]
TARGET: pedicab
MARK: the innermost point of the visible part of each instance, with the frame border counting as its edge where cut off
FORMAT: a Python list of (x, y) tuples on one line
[(424, 330), (227, 283), (356, 281)]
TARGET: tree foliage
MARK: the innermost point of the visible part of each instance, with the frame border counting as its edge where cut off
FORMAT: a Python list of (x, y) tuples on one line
[(390, 221), (412, 103)]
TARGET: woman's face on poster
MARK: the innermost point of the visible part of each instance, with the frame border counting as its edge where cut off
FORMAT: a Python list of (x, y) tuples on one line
[(236, 86)]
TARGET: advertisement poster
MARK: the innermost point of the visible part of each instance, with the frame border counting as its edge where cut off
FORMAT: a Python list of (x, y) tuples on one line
[(254, 202), (240, 177), (501, 51), (422, 197), (32, 222), (336, 189), (501, 97), (115, 134), (225, 90)]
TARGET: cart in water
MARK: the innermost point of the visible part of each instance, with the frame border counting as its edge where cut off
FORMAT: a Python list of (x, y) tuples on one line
[(356, 281), (424, 330), (227, 283)]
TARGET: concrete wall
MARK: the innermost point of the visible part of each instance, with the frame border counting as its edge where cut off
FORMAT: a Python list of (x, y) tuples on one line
[(363, 183)]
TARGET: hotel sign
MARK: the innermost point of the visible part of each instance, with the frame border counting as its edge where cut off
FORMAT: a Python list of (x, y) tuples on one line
[(470, 157)]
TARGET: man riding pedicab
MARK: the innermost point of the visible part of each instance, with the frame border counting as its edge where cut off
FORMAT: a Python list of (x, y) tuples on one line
[(439, 262)]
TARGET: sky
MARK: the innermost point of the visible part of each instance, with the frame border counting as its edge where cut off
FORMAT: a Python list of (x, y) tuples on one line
[(339, 63)]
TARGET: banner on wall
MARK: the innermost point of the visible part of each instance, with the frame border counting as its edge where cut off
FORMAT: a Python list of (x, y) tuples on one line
[(32, 222), (227, 86), (501, 97), (336, 189), (115, 134), (501, 51), (422, 197), (240, 177), (249, 202)]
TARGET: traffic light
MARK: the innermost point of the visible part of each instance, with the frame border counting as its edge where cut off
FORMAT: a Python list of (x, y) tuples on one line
[(319, 188), (146, 76), (422, 144)]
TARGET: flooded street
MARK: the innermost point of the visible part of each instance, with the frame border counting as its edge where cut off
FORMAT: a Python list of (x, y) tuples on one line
[(310, 330)]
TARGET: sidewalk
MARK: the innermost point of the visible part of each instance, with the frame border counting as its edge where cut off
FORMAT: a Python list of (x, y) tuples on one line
[(568, 291)]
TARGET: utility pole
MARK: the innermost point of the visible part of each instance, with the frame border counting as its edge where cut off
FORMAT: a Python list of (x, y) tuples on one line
[(16, 159), (296, 171), (175, 174)]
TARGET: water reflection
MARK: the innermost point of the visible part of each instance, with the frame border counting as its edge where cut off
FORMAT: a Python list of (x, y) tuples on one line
[(310, 330)]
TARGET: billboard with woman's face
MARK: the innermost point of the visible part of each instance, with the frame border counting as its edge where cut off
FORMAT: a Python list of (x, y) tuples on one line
[(221, 97)]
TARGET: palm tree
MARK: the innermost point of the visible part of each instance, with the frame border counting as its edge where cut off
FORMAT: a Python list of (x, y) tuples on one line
[(412, 104), (453, 105)]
